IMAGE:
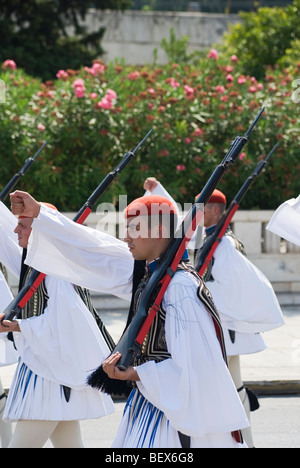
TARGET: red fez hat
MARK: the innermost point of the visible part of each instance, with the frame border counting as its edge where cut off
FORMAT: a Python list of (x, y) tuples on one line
[(216, 197), (150, 205)]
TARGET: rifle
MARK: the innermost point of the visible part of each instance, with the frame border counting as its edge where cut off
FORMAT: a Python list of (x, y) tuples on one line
[(133, 337), (214, 240), (36, 278), (15, 179)]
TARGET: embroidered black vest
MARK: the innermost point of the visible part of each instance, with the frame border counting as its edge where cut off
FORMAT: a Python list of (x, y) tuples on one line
[(38, 302), (154, 347)]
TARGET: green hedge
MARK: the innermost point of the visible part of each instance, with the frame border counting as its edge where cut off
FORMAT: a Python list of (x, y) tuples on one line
[(195, 110)]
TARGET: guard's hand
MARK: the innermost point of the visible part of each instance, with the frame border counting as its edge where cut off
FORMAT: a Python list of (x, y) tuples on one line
[(110, 368), (23, 204), (150, 183), (8, 326)]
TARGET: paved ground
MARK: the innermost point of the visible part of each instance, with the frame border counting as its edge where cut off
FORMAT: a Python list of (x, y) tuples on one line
[(276, 424)]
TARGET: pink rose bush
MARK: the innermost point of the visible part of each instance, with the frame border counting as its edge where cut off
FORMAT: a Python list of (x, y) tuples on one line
[(92, 116)]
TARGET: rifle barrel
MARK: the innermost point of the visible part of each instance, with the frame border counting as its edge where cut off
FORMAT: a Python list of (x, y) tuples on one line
[(15, 179), (210, 246)]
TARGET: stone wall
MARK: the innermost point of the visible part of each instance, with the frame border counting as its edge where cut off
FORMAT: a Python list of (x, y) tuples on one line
[(133, 35)]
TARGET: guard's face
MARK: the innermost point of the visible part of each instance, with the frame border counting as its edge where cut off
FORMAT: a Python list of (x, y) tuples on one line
[(141, 240), (212, 214), (23, 230)]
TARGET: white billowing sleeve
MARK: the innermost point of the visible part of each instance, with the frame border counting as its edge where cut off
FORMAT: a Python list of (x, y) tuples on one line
[(285, 222), (160, 190), (243, 296), (197, 238), (8, 354), (64, 344), (10, 251), (81, 255), (193, 388)]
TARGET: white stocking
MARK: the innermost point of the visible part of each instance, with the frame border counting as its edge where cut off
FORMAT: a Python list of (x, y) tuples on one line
[(34, 434), (235, 372), (5, 428)]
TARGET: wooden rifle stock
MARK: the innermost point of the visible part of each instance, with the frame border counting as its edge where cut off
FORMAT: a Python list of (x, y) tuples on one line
[(210, 246), (36, 278), (133, 337)]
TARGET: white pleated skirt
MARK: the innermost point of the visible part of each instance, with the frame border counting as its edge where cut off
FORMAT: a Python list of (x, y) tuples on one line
[(244, 343), (8, 354), (35, 398), (145, 426)]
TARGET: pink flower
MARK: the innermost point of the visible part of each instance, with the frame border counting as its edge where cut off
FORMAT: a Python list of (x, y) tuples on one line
[(79, 88), (198, 132), (93, 95), (105, 103), (62, 74), (110, 93), (78, 83), (180, 167), (241, 79), (188, 140), (79, 91), (213, 54), (220, 89), (229, 77), (252, 89), (260, 86), (234, 58), (151, 91), (107, 100), (163, 153), (174, 83), (189, 92), (9, 64), (41, 127), (96, 69), (134, 75), (224, 98), (242, 156)]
